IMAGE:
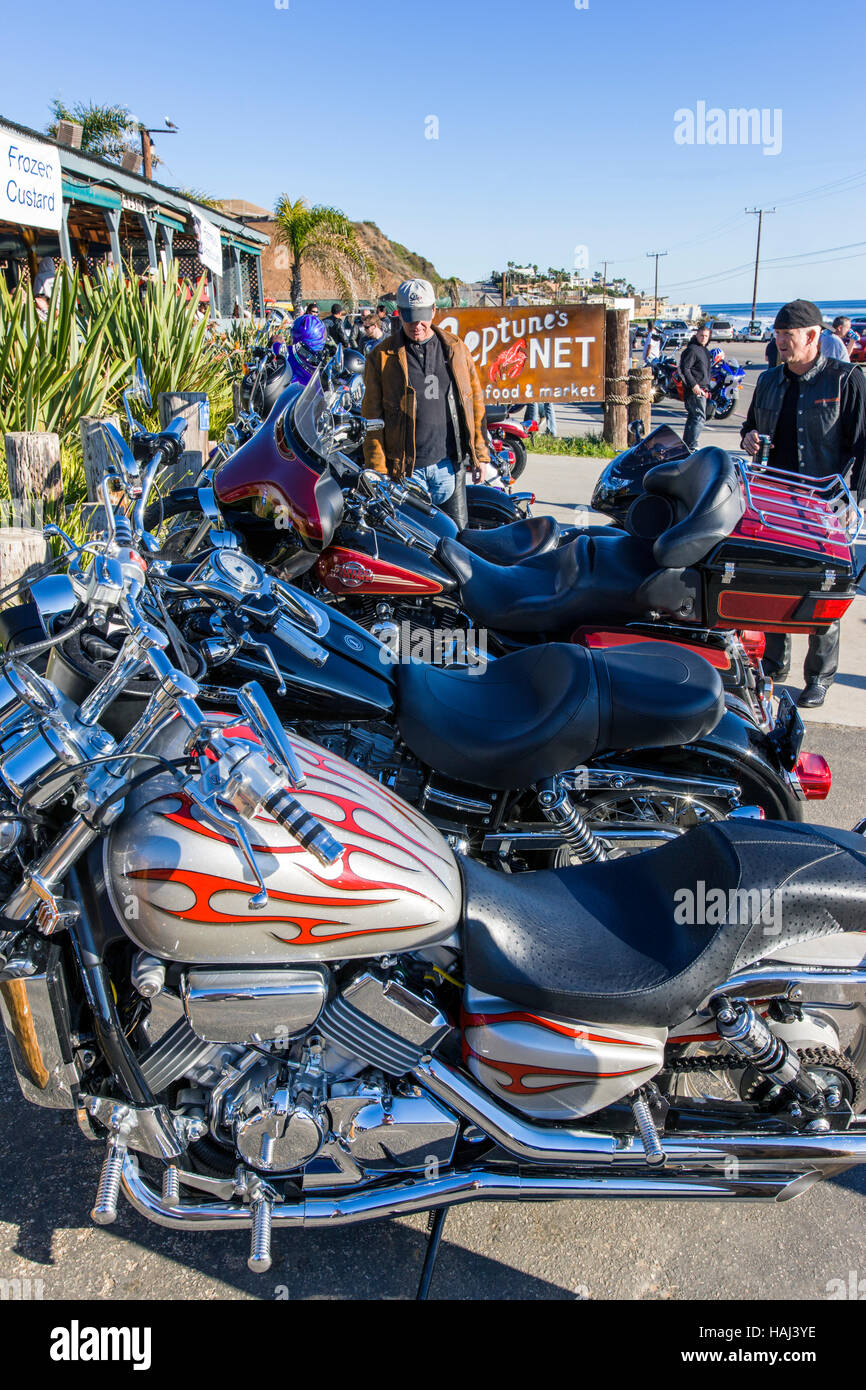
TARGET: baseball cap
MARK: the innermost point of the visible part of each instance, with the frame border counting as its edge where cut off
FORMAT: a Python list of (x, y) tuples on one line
[(416, 301), (799, 313)]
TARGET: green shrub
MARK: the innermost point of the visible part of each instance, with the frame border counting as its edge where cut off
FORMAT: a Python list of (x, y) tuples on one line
[(580, 445)]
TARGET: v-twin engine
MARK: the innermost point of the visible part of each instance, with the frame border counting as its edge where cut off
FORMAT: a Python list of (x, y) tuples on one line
[(278, 1074)]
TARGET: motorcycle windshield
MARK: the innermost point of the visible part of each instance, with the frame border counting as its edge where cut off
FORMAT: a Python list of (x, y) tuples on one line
[(313, 421)]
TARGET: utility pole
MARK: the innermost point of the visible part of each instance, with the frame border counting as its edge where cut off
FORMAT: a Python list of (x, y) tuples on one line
[(147, 148), (759, 213), (604, 284), (654, 255)]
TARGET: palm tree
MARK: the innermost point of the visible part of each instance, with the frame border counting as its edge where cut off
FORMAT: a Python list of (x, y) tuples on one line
[(323, 237), (108, 132)]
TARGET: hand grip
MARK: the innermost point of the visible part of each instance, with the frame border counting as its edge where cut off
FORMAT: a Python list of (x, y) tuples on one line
[(303, 827)]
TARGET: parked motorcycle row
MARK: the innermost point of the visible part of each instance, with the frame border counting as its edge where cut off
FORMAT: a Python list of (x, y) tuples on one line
[(305, 929)]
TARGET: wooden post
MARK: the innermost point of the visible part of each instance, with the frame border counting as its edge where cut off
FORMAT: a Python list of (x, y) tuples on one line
[(189, 404), (96, 457), (616, 363), (22, 548), (33, 465), (640, 397)]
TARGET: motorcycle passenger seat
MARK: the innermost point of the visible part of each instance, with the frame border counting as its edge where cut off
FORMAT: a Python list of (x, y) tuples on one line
[(507, 545), (699, 500), (548, 708), (609, 575), (628, 941)]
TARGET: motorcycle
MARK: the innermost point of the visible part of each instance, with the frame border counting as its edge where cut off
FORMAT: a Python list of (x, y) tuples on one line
[(726, 381), (727, 378), (277, 998), (680, 771), (513, 433)]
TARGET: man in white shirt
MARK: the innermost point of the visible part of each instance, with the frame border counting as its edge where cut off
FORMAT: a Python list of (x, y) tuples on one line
[(832, 346), (652, 344)]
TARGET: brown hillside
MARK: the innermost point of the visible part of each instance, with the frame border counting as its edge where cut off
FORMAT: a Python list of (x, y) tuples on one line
[(391, 261)]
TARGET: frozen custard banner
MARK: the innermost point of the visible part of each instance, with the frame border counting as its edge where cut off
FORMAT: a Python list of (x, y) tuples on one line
[(538, 352)]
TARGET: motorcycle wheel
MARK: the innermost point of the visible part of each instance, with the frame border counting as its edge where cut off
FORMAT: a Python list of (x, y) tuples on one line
[(622, 809), (723, 411), (518, 448)]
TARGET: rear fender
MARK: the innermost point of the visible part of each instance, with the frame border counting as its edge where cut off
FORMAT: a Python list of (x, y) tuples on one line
[(736, 751)]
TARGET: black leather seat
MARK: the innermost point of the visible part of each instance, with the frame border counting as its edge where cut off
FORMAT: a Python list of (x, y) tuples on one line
[(688, 506), (508, 545), (548, 708), (495, 414), (610, 578), (602, 942)]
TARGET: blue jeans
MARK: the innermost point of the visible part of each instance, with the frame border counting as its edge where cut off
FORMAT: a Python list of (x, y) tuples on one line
[(438, 478)]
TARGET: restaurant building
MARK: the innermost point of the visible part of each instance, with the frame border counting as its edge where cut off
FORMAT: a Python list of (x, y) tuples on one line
[(57, 202)]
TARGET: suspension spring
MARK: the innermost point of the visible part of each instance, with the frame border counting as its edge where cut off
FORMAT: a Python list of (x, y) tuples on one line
[(560, 810)]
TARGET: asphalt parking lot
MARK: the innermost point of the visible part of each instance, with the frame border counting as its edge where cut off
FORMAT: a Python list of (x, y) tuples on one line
[(558, 1251)]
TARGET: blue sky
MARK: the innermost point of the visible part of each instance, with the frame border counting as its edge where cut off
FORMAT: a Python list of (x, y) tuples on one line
[(555, 124)]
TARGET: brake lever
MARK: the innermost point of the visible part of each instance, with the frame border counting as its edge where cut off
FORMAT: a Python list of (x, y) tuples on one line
[(249, 641), (261, 713), (234, 826)]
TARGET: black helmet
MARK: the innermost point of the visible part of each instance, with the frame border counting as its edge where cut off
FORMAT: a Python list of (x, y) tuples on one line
[(353, 362)]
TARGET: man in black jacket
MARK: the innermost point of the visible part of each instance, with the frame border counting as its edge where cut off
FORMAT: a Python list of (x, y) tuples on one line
[(814, 410), (336, 326), (695, 372)]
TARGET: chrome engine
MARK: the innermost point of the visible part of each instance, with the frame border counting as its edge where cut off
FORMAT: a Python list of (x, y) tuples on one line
[(282, 1080)]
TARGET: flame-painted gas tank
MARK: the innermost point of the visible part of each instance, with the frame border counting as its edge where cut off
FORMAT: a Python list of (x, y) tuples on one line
[(182, 889)]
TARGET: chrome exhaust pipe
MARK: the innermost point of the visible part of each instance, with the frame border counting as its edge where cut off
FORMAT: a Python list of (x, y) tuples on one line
[(421, 1194), (548, 1146)]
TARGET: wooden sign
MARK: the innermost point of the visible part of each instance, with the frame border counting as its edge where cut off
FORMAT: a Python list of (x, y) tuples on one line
[(535, 352)]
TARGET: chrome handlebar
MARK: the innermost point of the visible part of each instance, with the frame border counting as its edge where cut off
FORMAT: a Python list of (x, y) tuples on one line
[(54, 742)]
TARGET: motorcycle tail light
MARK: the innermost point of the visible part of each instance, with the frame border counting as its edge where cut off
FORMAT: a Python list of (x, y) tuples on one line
[(829, 609), (814, 775), (754, 642)]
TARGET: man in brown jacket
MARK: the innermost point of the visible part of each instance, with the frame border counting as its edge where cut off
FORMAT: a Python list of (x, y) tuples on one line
[(422, 382)]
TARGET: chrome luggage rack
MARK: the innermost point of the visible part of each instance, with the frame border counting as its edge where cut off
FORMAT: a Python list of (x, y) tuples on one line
[(820, 507)]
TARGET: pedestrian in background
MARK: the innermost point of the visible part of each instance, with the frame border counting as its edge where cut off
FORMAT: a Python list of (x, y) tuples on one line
[(843, 330), (814, 410), (652, 346), (695, 372), (423, 384)]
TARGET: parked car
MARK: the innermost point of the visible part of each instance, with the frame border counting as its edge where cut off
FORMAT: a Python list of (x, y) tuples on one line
[(754, 332), (858, 352), (675, 333), (722, 331)]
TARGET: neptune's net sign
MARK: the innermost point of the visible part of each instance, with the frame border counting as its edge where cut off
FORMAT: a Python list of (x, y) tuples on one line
[(31, 192)]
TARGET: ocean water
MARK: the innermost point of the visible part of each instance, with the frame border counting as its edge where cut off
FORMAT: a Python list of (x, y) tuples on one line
[(765, 309)]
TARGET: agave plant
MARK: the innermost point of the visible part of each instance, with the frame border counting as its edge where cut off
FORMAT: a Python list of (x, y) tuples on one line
[(162, 327), (53, 372)]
